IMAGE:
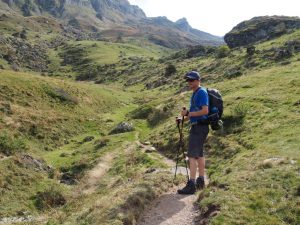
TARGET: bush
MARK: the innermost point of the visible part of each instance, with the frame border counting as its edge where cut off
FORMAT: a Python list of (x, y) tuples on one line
[(222, 51), (142, 112), (196, 51), (50, 198), (10, 145), (170, 69)]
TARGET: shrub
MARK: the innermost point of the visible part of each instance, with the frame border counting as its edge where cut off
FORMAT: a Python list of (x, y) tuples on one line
[(10, 145), (222, 51), (142, 112), (196, 51), (170, 69), (50, 198)]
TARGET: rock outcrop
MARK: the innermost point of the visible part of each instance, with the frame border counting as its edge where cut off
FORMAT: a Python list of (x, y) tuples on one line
[(260, 29)]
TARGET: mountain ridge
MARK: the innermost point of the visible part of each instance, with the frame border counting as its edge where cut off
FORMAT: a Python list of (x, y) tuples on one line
[(107, 16)]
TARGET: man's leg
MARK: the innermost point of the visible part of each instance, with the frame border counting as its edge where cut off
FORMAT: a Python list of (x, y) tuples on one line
[(190, 187), (193, 168), (200, 184), (201, 166)]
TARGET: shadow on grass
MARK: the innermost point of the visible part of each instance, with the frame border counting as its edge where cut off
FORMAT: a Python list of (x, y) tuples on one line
[(232, 124)]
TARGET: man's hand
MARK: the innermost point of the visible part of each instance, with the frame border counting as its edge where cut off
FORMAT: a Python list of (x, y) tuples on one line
[(178, 120), (184, 112)]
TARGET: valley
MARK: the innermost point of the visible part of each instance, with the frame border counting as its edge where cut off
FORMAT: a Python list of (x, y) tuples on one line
[(87, 122)]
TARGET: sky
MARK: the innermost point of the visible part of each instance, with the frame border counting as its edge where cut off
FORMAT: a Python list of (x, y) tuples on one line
[(217, 17)]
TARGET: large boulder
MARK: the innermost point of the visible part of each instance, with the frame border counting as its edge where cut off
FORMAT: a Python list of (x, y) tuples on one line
[(122, 128), (259, 29)]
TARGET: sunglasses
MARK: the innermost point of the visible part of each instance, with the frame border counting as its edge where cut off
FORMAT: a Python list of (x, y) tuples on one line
[(190, 80)]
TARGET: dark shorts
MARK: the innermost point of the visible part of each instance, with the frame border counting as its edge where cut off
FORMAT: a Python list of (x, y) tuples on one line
[(198, 135)]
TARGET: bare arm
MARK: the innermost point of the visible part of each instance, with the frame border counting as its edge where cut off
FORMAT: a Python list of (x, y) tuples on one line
[(203, 111)]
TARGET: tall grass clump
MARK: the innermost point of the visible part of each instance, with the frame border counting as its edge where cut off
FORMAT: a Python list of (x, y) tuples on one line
[(10, 145)]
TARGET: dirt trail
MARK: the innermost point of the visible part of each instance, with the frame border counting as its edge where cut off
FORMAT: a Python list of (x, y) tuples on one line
[(171, 208), (92, 178), (168, 209)]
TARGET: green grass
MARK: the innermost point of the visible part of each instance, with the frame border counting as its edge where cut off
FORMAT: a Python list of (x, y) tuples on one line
[(108, 53), (268, 130), (51, 116)]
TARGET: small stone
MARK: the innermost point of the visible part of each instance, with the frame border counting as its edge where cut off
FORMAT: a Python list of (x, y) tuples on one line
[(268, 163), (150, 170), (150, 149)]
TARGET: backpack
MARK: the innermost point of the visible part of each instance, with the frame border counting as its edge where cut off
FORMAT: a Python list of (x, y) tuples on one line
[(215, 110)]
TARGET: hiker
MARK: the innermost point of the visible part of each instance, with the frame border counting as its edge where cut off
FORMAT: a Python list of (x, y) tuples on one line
[(197, 116)]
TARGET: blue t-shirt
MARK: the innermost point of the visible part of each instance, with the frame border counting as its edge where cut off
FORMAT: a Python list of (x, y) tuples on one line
[(198, 100)]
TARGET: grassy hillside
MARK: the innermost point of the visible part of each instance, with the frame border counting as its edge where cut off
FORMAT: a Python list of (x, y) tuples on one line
[(254, 163), (56, 132)]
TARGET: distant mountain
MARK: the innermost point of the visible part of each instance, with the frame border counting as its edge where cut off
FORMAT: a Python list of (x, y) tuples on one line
[(114, 19), (260, 29)]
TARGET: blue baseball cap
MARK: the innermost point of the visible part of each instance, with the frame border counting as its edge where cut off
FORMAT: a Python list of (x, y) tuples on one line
[(192, 75)]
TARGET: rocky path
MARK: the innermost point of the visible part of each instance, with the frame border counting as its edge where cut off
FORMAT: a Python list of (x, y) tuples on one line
[(171, 209)]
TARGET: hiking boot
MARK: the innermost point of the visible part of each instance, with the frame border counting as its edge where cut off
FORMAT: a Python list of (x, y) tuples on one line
[(189, 189), (200, 184)]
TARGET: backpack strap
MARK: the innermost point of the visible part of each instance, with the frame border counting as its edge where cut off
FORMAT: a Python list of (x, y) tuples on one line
[(193, 98)]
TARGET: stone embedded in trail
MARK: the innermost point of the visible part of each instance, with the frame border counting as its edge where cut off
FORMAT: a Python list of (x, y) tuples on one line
[(146, 143), (150, 170), (123, 128), (150, 149)]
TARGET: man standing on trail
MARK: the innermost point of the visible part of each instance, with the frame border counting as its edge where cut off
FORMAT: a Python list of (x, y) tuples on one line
[(198, 133)]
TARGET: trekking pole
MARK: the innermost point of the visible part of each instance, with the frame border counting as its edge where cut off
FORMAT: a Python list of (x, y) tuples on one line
[(180, 146)]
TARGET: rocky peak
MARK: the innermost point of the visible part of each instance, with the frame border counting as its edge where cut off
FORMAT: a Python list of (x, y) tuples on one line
[(260, 29), (183, 24)]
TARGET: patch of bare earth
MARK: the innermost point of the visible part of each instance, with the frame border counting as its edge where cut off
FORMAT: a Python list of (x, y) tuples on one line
[(171, 209)]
